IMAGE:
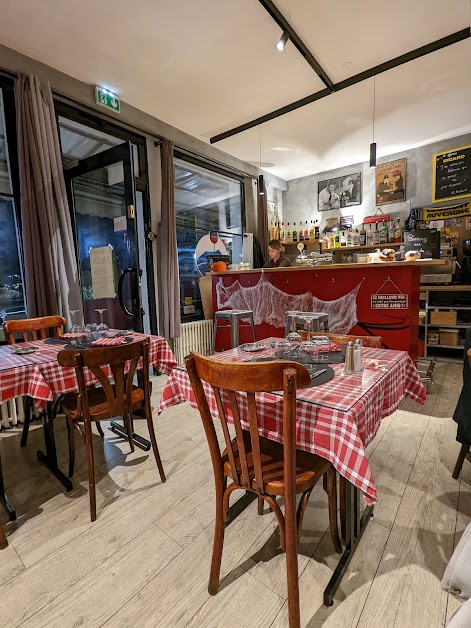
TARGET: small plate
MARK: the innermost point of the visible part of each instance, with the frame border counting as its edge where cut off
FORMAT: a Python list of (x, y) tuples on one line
[(252, 346), (25, 350)]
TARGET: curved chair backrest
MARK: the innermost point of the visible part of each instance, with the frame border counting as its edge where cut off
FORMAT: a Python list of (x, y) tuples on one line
[(233, 386), (33, 328), (375, 342)]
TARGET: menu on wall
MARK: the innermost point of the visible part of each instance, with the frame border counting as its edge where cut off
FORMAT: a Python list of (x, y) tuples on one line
[(452, 174), (427, 243), (102, 271)]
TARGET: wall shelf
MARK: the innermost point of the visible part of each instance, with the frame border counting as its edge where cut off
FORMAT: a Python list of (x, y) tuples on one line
[(391, 245)]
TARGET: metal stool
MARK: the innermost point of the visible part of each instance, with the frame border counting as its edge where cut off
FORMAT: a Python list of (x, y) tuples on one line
[(234, 317), (321, 320)]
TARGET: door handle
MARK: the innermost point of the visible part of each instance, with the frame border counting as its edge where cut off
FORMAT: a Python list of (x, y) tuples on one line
[(125, 272)]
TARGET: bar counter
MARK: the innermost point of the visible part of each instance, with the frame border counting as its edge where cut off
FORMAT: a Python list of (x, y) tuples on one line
[(377, 299)]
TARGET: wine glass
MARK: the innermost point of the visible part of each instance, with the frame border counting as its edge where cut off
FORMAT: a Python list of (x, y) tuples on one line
[(74, 329), (294, 338), (102, 327)]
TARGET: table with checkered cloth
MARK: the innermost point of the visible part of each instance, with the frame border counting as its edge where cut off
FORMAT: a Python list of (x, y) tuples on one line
[(335, 420), (19, 376), (56, 380)]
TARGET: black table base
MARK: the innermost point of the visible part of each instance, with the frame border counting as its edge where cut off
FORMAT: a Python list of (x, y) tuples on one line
[(4, 499), (49, 459), (139, 441)]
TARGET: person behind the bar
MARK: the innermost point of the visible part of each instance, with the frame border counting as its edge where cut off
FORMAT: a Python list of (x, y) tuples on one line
[(276, 251)]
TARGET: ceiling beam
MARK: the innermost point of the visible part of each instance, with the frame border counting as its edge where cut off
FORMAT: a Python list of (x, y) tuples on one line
[(353, 80), (297, 42)]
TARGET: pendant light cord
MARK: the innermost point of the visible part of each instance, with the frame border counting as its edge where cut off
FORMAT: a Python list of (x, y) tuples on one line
[(374, 104), (260, 143)]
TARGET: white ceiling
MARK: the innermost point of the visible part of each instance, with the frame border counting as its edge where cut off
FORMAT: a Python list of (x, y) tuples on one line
[(210, 65)]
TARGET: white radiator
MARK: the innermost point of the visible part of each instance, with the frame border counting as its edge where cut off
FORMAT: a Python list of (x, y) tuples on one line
[(196, 336), (11, 413)]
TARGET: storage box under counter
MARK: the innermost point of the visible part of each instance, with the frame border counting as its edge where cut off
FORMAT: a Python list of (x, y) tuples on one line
[(438, 317)]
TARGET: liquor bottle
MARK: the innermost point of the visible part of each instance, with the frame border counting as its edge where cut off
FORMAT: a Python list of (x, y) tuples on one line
[(369, 236), (312, 233), (356, 238), (306, 231), (288, 234), (398, 232), (350, 237), (337, 239), (331, 240), (343, 241), (283, 233), (316, 230), (391, 232), (295, 233), (301, 232), (376, 236), (383, 234), (362, 235)]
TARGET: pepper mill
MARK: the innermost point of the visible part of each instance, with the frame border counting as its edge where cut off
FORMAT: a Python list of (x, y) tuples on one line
[(349, 368)]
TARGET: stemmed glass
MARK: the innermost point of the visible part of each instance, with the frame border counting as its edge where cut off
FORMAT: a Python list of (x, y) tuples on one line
[(102, 327), (294, 338)]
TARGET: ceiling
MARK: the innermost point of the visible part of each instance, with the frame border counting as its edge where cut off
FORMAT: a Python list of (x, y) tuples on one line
[(210, 65)]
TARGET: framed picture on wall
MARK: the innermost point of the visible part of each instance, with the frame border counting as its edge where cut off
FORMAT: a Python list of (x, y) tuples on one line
[(339, 192), (391, 182)]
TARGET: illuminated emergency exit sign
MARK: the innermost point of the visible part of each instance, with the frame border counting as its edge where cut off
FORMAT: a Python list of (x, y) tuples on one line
[(107, 99)]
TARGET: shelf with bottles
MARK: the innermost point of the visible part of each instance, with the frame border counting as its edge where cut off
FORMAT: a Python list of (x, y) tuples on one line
[(287, 242), (388, 245)]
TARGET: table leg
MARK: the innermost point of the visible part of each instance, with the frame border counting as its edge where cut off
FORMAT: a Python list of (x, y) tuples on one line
[(355, 525), (49, 459), (4, 499)]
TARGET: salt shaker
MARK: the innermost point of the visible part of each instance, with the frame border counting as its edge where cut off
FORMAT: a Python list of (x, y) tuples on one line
[(349, 368), (358, 356)]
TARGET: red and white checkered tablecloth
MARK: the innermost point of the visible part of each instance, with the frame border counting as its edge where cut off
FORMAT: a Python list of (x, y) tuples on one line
[(335, 420), (41, 376)]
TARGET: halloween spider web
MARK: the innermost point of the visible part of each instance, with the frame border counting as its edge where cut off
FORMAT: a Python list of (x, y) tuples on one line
[(270, 304)]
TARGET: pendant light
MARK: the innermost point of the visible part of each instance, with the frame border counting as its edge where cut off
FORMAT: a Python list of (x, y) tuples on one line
[(373, 143), (283, 41), (261, 190)]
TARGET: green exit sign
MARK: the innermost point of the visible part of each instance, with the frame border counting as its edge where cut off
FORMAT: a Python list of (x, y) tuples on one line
[(107, 99)]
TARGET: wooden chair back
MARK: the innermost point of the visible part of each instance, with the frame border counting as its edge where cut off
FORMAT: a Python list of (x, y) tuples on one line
[(118, 397), (33, 328), (376, 342), (225, 380)]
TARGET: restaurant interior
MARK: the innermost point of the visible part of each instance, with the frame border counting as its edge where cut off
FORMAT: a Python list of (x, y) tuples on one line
[(235, 313)]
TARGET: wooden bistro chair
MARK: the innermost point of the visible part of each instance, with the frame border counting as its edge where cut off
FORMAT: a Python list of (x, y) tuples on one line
[(121, 398), (3, 538), (32, 329), (257, 464), (375, 342)]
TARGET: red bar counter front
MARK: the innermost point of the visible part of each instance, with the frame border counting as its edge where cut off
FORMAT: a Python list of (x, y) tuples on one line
[(361, 299)]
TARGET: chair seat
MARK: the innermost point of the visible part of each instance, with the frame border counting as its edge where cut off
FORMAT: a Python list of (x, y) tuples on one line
[(309, 467), (99, 408)]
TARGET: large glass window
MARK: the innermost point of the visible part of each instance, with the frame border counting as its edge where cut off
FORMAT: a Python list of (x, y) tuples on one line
[(207, 203), (12, 301)]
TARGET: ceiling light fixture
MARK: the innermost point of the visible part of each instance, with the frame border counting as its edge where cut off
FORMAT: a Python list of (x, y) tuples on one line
[(261, 186), (373, 143), (284, 39)]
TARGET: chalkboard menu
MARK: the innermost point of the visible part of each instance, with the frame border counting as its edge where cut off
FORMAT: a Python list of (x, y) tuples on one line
[(452, 174), (426, 242)]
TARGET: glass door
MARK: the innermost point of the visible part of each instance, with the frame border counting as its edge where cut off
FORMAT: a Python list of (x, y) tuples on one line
[(101, 191)]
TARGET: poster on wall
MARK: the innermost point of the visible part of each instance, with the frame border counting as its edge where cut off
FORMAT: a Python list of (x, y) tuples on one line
[(102, 271), (339, 192), (452, 174), (391, 182)]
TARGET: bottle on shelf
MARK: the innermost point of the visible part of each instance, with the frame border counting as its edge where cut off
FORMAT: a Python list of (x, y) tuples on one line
[(343, 241), (383, 234), (306, 231), (337, 239), (295, 233), (356, 238), (312, 232), (282, 232), (369, 236), (350, 237), (331, 237), (398, 232), (301, 233), (316, 230), (376, 236), (288, 234), (391, 232), (362, 235)]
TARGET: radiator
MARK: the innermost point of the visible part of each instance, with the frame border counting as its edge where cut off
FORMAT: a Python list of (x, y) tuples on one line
[(195, 336), (11, 413)]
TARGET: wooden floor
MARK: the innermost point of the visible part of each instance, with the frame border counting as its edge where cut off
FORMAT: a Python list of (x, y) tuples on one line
[(145, 561)]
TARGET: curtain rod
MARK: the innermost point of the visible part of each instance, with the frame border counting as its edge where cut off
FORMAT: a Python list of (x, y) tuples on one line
[(220, 164)]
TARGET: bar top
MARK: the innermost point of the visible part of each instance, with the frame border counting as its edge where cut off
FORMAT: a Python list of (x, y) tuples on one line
[(434, 262)]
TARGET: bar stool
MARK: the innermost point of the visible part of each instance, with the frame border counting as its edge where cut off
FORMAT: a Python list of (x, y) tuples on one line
[(234, 317), (321, 320)]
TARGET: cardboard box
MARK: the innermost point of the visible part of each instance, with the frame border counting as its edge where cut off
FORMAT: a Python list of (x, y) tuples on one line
[(440, 317), (433, 338)]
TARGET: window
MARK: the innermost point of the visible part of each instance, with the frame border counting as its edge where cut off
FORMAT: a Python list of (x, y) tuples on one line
[(207, 202), (12, 300)]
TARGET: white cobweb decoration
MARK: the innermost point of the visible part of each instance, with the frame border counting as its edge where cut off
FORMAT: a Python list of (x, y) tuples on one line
[(269, 304)]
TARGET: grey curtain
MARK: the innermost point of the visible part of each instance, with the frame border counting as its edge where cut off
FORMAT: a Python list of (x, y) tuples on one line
[(168, 247), (262, 216), (51, 278)]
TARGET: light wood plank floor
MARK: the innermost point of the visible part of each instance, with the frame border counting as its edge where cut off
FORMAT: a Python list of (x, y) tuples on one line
[(145, 561)]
